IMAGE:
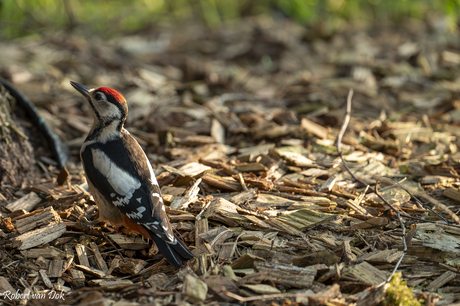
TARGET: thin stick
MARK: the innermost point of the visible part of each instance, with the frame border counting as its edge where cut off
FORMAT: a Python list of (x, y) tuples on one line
[(243, 184), (422, 204), (441, 206), (343, 129), (398, 214), (263, 296)]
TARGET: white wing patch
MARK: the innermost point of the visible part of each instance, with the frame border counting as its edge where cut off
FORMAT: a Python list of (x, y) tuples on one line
[(138, 214), (121, 181), (139, 200), (121, 201)]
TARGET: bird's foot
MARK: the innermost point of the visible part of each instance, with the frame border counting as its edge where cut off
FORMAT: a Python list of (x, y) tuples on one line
[(95, 222)]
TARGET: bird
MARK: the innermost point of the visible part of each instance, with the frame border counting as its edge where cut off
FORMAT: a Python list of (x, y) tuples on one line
[(120, 176)]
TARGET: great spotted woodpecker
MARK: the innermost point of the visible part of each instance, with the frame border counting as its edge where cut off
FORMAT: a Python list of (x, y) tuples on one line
[(120, 176)]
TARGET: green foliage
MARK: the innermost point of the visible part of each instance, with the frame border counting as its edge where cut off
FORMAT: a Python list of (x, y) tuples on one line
[(398, 294), (110, 17)]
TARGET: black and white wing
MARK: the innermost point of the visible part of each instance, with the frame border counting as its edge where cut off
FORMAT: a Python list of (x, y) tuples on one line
[(123, 175)]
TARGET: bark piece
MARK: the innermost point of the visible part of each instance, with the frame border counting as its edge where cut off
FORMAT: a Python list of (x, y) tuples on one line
[(441, 280), (454, 194), (314, 128), (325, 296), (226, 183), (381, 257), (322, 257), (246, 261), (45, 278), (364, 272), (130, 266), (116, 284), (81, 254), (244, 197), (39, 236), (129, 243), (49, 252), (193, 169), (5, 285), (372, 296), (194, 289), (190, 197), (215, 284), (78, 278), (286, 275), (251, 167), (227, 250), (37, 219), (262, 289), (158, 280), (91, 270), (55, 268), (27, 202), (102, 265)]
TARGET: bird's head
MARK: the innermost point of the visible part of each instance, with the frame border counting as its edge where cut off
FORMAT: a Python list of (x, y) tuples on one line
[(106, 104)]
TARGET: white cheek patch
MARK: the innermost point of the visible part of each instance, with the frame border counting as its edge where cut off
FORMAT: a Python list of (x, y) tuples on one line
[(121, 181), (107, 109), (138, 214)]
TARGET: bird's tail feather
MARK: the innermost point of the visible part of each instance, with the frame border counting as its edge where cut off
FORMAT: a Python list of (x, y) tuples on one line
[(174, 253)]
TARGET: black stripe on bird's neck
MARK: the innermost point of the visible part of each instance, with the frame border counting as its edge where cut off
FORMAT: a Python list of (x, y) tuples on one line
[(103, 124), (98, 116)]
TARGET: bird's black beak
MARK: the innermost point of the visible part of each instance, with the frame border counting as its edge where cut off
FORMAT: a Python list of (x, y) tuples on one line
[(81, 89)]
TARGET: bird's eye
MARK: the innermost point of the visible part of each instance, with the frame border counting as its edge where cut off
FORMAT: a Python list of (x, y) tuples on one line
[(98, 97)]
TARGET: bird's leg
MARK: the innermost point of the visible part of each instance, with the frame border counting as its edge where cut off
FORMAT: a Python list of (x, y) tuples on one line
[(95, 222)]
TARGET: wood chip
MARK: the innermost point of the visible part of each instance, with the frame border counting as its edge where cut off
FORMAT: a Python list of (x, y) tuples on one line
[(442, 280), (39, 236), (27, 202), (286, 275), (55, 268), (45, 278), (128, 242), (102, 265), (314, 128), (364, 272), (37, 219), (81, 254), (246, 261), (78, 278), (194, 289), (130, 266), (5, 285)]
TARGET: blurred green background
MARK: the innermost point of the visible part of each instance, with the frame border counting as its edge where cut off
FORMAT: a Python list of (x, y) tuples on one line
[(114, 17)]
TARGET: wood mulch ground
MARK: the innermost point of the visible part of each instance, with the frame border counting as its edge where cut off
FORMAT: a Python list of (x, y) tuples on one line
[(240, 124)]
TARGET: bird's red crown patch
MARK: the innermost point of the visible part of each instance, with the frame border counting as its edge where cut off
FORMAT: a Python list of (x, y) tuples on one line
[(112, 92)]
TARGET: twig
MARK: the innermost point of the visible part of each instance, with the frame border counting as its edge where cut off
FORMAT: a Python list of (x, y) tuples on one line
[(346, 120), (424, 206), (243, 184), (263, 296), (152, 267), (218, 236), (111, 243), (398, 214), (441, 206)]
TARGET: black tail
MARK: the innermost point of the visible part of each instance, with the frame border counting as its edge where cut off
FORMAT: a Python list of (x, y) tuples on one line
[(174, 253)]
